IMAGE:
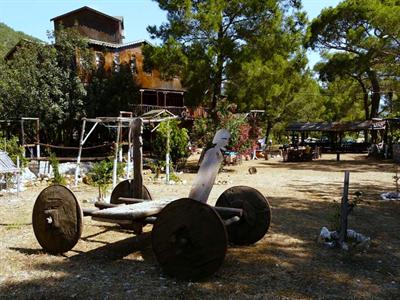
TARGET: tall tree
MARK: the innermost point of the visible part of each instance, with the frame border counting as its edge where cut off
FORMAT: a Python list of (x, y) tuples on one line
[(368, 32), (346, 66), (209, 37), (271, 71), (43, 81)]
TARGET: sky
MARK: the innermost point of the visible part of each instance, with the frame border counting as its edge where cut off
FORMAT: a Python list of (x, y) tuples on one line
[(33, 16)]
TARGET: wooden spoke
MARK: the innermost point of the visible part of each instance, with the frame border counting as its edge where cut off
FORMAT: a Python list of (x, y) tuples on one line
[(189, 239), (256, 217), (57, 219)]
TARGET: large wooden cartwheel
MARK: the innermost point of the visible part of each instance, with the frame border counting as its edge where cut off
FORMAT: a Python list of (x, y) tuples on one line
[(57, 219), (256, 218), (189, 239), (125, 189)]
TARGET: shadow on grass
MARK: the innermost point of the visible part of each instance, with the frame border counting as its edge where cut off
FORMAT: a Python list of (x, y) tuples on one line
[(329, 165), (286, 263), (290, 263)]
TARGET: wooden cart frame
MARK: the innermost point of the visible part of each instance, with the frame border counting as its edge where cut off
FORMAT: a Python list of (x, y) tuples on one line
[(189, 237)]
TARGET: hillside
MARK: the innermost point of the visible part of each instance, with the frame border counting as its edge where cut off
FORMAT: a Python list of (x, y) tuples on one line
[(9, 37)]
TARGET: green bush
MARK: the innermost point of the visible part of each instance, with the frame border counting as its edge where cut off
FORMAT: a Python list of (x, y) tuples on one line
[(101, 175), (14, 149), (178, 141), (242, 136), (58, 178)]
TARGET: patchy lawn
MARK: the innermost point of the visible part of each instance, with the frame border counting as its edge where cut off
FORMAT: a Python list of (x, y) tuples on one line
[(287, 263)]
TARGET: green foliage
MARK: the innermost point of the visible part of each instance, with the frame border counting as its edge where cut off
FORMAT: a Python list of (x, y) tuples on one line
[(57, 178), (108, 93), (101, 175), (9, 38), (14, 149), (242, 139), (43, 81), (205, 40), (365, 45), (178, 141), (59, 84)]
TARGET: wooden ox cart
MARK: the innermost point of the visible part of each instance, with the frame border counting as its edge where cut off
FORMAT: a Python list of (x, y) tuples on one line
[(189, 237)]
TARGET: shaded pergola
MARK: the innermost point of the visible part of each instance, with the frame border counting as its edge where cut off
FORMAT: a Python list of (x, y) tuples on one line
[(335, 130)]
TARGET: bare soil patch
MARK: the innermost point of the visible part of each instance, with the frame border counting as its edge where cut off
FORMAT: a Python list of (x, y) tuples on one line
[(287, 263)]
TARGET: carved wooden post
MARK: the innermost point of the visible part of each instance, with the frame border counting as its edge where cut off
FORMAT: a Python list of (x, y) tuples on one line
[(137, 158), (344, 210)]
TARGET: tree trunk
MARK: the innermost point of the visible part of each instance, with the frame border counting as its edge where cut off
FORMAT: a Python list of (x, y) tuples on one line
[(217, 84), (366, 104), (376, 93), (365, 97), (268, 131)]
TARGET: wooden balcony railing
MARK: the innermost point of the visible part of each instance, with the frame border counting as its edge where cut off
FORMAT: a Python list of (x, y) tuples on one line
[(182, 111)]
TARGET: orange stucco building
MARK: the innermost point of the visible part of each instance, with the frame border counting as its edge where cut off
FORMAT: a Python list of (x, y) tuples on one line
[(105, 35)]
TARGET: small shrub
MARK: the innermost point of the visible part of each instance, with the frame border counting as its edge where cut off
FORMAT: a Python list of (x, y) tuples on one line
[(244, 134), (14, 149), (101, 175), (58, 178), (334, 218), (178, 141)]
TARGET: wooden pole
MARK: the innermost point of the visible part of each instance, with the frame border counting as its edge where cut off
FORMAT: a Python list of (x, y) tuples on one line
[(344, 210), (115, 166), (167, 155), (128, 167), (137, 158), (78, 160)]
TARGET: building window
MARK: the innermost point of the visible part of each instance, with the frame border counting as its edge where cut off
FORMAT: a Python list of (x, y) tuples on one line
[(132, 64), (147, 69), (99, 56), (116, 62)]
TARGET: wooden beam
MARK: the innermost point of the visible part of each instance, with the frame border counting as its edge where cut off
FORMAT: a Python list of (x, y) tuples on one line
[(125, 200), (133, 212), (137, 131)]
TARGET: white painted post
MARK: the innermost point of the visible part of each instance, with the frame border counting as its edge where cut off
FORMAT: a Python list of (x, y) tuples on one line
[(115, 166), (120, 155), (128, 166), (78, 160), (38, 150), (18, 175)]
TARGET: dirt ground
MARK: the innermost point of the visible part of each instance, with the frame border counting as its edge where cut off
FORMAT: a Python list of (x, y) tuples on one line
[(109, 263)]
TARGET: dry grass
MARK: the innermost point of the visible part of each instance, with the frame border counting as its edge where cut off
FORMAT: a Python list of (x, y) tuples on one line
[(286, 263)]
